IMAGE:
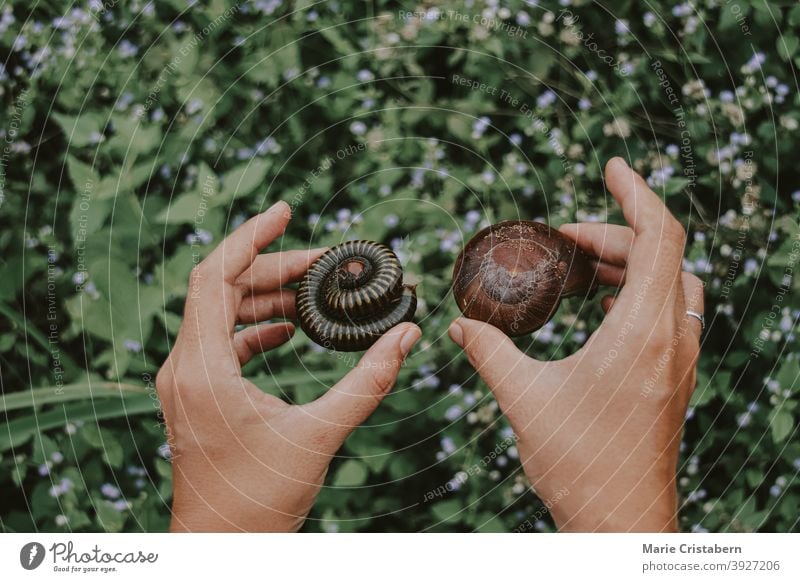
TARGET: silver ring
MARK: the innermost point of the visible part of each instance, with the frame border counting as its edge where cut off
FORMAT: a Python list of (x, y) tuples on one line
[(698, 316)]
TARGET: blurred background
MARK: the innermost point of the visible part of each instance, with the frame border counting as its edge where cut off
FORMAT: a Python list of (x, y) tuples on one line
[(136, 134)]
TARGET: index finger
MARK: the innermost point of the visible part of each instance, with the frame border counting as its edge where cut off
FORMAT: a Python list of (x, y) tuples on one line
[(238, 251), (213, 302), (656, 257)]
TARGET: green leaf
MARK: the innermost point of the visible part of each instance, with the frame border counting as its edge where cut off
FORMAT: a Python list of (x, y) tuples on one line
[(183, 209), (448, 511), (787, 46), (781, 424), (242, 180), (489, 523), (352, 473), (794, 16), (112, 451), (67, 393), (18, 473), (108, 517), (20, 430), (84, 177), (43, 447), (80, 131)]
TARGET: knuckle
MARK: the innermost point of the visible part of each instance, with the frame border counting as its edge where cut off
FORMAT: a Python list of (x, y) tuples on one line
[(164, 379), (381, 382), (692, 350), (695, 281), (674, 230), (658, 343)]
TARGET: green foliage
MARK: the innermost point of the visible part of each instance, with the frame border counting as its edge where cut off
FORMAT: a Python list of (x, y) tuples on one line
[(139, 134)]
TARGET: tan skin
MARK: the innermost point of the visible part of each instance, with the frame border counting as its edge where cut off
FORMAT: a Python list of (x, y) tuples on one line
[(246, 461), (605, 426)]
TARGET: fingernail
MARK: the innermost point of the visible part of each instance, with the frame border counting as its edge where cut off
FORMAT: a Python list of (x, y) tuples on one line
[(409, 339), (456, 333), (287, 211), (620, 161)]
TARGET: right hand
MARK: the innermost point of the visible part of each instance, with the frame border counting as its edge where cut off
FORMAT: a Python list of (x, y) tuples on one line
[(599, 431), (244, 460)]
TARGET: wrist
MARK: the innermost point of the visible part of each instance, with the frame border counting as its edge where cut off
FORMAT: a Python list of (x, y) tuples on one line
[(204, 503), (645, 507)]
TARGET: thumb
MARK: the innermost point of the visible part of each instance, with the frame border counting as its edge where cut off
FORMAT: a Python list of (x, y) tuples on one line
[(492, 353), (350, 402)]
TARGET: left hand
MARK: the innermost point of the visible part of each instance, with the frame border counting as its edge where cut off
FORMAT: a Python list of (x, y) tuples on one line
[(244, 460)]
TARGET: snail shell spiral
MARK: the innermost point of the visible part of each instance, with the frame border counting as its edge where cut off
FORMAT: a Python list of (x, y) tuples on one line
[(513, 275), (352, 295)]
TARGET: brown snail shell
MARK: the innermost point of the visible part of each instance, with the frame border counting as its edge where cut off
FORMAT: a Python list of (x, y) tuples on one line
[(513, 275)]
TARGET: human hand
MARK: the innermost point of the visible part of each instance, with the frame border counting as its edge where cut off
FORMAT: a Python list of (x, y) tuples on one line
[(599, 431), (244, 460)]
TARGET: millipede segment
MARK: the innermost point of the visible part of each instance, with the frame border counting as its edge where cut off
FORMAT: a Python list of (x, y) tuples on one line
[(352, 295)]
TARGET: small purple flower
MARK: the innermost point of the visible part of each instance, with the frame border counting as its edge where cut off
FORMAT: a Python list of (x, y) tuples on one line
[(165, 451), (358, 128), (194, 106), (448, 446), (453, 412), (431, 381), (127, 49), (365, 75), (61, 487), (479, 126), (546, 99), (684, 9), (132, 346), (109, 490), (584, 104), (775, 491)]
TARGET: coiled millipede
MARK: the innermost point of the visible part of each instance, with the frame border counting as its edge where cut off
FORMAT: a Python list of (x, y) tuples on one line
[(352, 295)]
